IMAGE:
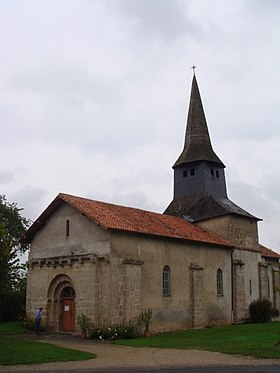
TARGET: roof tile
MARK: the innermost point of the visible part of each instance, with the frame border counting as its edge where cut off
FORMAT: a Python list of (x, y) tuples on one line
[(122, 218), (268, 253)]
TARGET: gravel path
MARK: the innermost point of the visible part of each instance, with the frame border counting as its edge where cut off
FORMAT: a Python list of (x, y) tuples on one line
[(110, 355)]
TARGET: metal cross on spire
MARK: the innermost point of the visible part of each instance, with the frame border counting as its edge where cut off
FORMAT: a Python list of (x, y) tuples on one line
[(193, 69)]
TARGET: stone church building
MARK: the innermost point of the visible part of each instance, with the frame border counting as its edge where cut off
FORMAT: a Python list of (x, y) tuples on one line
[(199, 263)]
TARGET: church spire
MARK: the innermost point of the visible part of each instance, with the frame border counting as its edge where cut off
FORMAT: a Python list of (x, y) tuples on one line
[(200, 191), (197, 145)]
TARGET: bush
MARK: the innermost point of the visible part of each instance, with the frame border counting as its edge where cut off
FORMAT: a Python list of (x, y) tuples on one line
[(260, 310), (27, 323), (146, 318), (84, 322), (129, 331), (12, 304)]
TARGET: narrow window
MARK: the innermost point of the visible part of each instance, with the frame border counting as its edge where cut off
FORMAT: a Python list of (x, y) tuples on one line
[(166, 289), (67, 228), (217, 174), (192, 171), (219, 282), (250, 284), (185, 173), (212, 172), (268, 287)]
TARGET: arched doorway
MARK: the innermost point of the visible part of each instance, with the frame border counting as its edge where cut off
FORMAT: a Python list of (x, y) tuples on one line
[(67, 301), (61, 304)]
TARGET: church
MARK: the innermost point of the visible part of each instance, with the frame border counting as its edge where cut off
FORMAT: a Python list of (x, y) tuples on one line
[(197, 264)]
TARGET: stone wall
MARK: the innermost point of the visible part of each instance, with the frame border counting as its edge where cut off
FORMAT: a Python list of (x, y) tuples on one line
[(193, 300), (238, 230), (108, 290), (84, 236), (117, 275)]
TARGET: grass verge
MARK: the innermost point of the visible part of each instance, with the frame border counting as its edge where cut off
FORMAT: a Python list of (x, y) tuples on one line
[(11, 328), (257, 340), (15, 350)]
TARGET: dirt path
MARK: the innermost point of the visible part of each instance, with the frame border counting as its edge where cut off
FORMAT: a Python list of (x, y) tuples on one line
[(110, 355)]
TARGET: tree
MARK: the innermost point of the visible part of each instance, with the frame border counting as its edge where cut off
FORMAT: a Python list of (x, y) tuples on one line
[(12, 272)]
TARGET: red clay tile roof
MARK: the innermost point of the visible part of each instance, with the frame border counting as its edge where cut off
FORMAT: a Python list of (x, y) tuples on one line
[(268, 253), (121, 218)]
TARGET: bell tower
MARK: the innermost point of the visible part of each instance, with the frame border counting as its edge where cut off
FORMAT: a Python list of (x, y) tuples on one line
[(198, 170), (200, 193)]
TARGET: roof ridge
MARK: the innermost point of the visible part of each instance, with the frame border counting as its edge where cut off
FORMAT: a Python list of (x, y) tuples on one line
[(130, 219)]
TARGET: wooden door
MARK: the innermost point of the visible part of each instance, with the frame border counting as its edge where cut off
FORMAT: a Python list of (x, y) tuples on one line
[(68, 315)]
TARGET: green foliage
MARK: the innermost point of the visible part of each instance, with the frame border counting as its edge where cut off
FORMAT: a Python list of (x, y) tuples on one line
[(12, 272), (129, 331), (146, 318), (260, 310), (14, 224), (12, 301), (84, 322), (27, 323)]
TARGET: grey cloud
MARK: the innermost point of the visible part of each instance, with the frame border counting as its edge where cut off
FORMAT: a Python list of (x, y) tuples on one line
[(94, 98), (30, 199), (167, 20), (6, 176)]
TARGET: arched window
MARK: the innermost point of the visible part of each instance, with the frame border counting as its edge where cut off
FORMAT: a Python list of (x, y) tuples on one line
[(67, 228), (219, 276), (166, 288)]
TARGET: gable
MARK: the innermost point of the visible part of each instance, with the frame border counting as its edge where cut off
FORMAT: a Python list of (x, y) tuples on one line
[(82, 236)]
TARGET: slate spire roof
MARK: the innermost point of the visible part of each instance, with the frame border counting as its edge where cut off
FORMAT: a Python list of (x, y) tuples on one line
[(204, 206), (190, 200), (197, 145)]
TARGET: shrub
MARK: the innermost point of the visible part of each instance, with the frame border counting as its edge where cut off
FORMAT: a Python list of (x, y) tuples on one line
[(12, 303), (260, 310), (84, 322), (128, 331), (146, 318), (27, 323)]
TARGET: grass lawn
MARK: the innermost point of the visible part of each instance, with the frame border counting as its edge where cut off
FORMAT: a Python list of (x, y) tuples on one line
[(14, 350), (258, 340), (11, 328)]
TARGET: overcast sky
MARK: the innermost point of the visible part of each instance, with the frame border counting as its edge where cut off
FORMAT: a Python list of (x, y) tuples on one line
[(94, 96)]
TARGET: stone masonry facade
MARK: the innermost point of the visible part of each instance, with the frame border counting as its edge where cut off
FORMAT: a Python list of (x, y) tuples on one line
[(108, 290)]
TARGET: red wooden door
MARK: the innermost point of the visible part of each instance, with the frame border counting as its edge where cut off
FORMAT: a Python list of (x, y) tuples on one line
[(68, 315)]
